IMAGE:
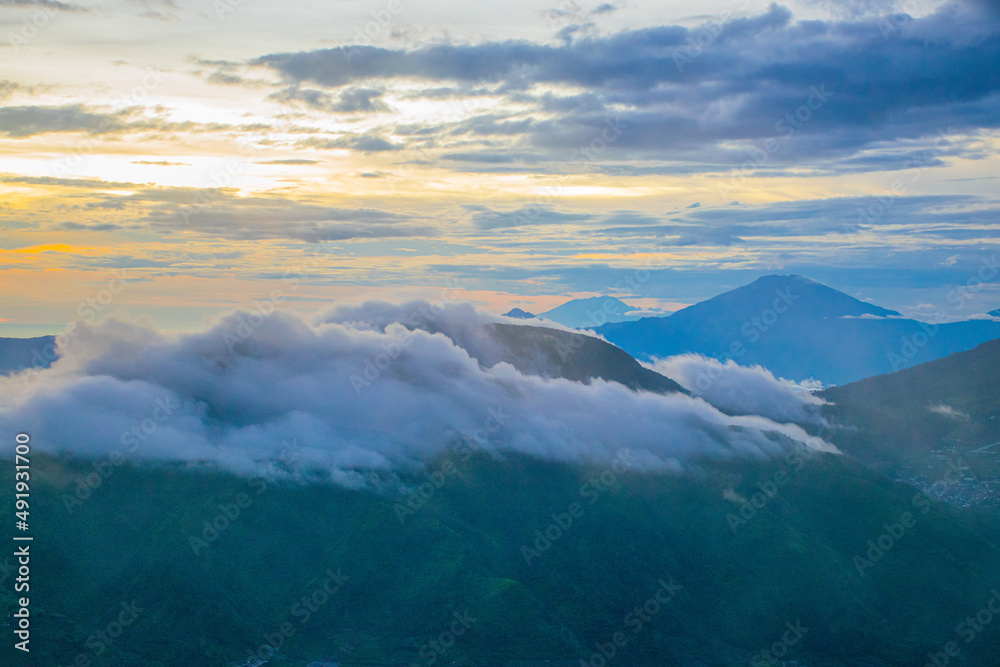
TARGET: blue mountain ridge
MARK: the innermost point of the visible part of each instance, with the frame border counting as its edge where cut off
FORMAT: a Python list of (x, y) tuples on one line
[(799, 329)]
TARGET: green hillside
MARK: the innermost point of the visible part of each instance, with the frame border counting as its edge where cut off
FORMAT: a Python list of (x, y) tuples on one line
[(911, 412), (397, 579)]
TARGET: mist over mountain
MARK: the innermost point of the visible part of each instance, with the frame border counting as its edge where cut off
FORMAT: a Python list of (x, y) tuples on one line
[(375, 389), (425, 464), (744, 390), (798, 329), (246, 445)]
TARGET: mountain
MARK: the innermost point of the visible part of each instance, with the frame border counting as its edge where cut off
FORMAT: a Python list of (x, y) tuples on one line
[(952, 402), (591, 312), (519, 314), (994, 313), (554, 353), (497, 561), (20, 353), (799, 329), (474, 556)]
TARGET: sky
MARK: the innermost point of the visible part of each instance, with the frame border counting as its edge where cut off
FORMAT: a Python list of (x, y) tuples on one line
[(165, 161)]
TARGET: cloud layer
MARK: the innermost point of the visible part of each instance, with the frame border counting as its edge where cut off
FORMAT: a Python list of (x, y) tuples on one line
[(743, 390), (354, 395), (830, 94)]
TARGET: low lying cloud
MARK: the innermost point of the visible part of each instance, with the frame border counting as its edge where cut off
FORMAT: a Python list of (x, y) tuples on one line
[(356, 393), (743, 390), (948, 411)]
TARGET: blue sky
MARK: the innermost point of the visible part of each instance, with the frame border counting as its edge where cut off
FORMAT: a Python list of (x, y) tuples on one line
[(522, 153)]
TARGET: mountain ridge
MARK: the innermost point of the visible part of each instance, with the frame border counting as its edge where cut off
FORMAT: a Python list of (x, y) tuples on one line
[(800, 330)]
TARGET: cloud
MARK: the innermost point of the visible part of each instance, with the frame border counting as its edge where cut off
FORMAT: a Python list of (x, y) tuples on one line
[(232, 395), (948, 411), (45, 4), (705, 105), (486, 218), (350, 100), (27, 121), (291, 161), (857, 9), (364, 143), (743, 390), (162, 163), (7, 88), (223, 214), (943, 217)]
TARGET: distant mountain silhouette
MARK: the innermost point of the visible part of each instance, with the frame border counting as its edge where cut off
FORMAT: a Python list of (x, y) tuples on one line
[(590, 313), (799, 329), (519, 314), (19, 353)]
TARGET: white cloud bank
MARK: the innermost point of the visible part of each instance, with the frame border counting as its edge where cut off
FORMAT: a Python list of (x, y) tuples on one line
[(743, 390), (357, 392)]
